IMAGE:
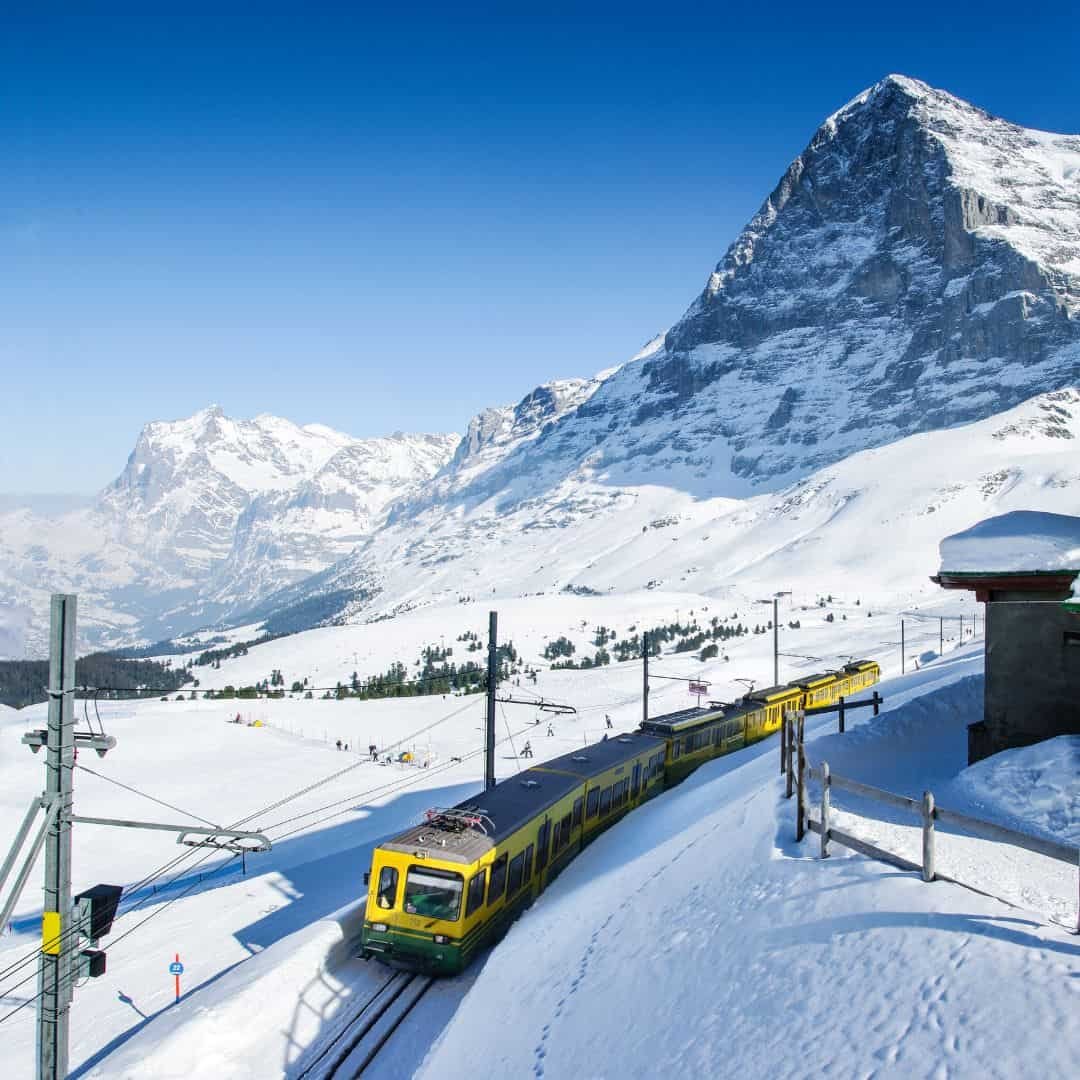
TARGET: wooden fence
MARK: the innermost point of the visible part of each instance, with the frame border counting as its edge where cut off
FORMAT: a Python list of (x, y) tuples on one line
[(800, 771)]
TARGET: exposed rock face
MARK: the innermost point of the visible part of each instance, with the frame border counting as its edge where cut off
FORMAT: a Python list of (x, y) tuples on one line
[(917, 266)]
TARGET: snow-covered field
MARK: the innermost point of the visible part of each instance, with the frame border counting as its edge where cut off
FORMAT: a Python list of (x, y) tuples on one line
[(696, 937)]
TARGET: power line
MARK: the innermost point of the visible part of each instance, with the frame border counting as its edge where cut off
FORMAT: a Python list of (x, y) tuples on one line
[(153, 799)]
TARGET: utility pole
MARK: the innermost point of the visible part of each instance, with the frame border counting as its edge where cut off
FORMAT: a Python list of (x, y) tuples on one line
[(903, 649), (55, 975), (645, 676), (70, 924), (489, 729), (776, 641)]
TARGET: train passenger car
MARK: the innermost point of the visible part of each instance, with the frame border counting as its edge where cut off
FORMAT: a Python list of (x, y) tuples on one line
[(858, 675), (823, 689), (774, 701), (695, 735), (443, 890)]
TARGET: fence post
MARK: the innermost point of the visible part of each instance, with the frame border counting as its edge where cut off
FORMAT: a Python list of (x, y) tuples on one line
[(928, 836), (877, 702), (790, 748), (800, 814), (841, 714), (783, 742), (825, 782)]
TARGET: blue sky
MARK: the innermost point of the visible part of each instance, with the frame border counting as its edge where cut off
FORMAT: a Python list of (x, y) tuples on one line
[(382, 221)]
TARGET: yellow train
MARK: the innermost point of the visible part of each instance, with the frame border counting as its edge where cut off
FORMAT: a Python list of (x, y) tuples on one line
[(447, 888)]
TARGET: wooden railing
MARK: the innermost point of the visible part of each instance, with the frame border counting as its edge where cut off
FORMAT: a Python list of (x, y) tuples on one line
[(800, 771)]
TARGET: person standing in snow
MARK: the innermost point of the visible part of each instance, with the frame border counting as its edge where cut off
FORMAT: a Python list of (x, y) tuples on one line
[(527, 750), (551, 730), (607, 720), (373, 750), (338, 744)]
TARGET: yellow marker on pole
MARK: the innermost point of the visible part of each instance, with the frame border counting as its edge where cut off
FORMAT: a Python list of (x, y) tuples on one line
[(50, 933)]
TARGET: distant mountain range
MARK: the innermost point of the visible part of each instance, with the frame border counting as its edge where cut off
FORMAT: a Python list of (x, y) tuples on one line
[(916, 268)]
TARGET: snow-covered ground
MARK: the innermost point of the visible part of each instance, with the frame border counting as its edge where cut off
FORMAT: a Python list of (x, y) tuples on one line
[(695, 937)]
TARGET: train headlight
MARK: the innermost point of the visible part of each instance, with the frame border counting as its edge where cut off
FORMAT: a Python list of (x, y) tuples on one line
[(441, 939), (379, 927)]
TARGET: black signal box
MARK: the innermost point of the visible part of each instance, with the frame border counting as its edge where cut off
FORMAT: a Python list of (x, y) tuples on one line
[(104, 900)]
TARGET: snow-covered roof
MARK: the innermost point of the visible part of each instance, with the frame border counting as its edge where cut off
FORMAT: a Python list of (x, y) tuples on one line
[(1023, 542)]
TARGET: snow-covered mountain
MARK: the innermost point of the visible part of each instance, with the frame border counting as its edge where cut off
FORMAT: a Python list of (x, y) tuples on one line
[(917, 268), (209, 514)]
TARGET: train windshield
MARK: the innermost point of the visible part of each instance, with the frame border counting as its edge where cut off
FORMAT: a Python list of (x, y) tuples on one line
[(434, 893)]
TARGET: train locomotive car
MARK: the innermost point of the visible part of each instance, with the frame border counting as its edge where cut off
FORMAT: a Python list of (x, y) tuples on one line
[(443, 890), (440, 891)]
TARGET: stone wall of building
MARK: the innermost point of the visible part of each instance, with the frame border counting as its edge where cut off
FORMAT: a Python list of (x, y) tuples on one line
[(1032, 674)]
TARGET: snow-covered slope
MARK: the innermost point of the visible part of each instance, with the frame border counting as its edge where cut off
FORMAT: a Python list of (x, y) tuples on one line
[(870, 524), (695, 938)]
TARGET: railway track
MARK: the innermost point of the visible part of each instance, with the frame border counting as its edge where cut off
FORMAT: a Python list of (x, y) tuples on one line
[(370, 1028)]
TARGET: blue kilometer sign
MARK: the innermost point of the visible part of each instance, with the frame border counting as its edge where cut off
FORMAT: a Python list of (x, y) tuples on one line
[(176, 969)]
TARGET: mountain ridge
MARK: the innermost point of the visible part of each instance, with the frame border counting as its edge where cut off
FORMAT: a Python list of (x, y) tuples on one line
[(916, 268)]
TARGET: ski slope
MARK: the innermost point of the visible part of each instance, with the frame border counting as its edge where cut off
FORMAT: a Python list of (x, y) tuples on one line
[(694, 933)]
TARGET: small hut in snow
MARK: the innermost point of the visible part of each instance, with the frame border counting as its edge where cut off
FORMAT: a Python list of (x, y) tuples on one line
[(1024, 567)]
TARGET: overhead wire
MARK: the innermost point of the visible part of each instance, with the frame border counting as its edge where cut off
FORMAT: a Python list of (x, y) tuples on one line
[(145, 795)]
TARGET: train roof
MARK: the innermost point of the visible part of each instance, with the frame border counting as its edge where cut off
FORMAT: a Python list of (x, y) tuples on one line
[(693, 717), (812, 680), (478, 823), (860, 665), (463, 833), (592, 760), (769, 692)]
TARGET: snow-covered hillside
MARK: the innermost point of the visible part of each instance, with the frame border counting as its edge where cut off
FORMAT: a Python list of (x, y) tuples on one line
[(869, 525), (698, 915)]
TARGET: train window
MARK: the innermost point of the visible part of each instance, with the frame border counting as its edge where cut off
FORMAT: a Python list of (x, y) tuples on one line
[(592, 803), (542, 835), (579, 811), (516, 874), (605, 801), (556, 838), (676, 748), (388, 879), (635, 785), (566, 827), (528, 864), (498, 879), (434, 893), (476, 893)]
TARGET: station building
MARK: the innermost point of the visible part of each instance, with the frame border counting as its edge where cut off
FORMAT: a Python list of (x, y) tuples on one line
[(1025, 567)]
